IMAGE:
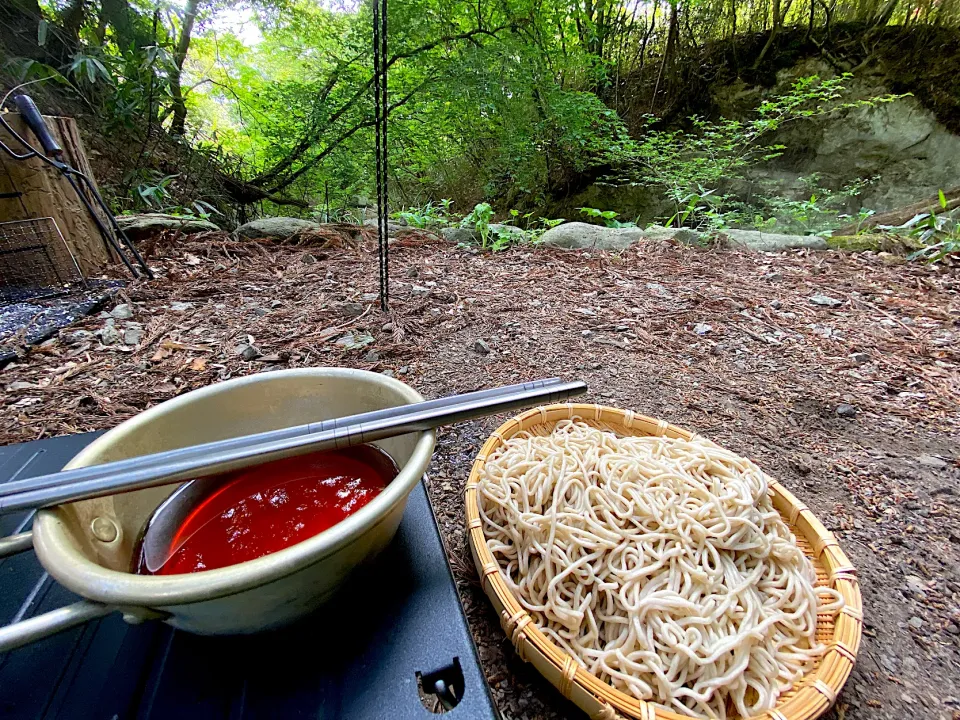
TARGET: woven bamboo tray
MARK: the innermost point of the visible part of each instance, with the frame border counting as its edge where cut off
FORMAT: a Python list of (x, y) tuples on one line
[(811, 697)]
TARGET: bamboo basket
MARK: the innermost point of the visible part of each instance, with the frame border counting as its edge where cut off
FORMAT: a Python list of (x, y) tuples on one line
[(810, 698)]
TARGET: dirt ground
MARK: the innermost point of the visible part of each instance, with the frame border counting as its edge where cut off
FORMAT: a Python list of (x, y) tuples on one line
[(837, 373)]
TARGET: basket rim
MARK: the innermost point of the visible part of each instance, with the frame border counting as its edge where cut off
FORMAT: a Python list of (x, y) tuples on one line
[(813, 695)]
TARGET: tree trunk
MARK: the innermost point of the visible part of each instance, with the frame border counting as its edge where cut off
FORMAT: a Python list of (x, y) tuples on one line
[(178, 125), (117, 14), (672, 31), (773, 33), (73, 18), (646, 37)]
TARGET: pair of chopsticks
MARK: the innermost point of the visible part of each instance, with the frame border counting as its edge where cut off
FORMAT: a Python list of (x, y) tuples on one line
[(223, 456)]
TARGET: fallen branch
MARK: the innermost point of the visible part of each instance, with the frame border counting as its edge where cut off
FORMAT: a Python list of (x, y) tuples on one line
[(901, 215)]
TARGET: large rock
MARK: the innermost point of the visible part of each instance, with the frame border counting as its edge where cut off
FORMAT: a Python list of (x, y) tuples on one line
[(464, 236), (275, 227), (902, 145), (580, 236), (393, 227), (682, 235), (637, 203), (773, 242), (140, 227)]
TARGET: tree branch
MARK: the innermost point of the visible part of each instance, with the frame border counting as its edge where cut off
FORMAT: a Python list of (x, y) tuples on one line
[(292, 177), (322, 125)]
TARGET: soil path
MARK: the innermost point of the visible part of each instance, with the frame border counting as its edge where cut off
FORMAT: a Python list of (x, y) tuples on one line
[(837, 373)]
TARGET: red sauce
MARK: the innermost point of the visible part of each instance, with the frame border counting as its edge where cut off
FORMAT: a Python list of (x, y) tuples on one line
[(260, 510)]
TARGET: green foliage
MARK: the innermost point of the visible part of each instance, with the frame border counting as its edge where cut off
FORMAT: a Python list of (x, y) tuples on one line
[(426, 216), (87, 68), (494, 104), (691, 166), (479, 220), (153, 194), (609, 217), (818, 213), (939, 234)]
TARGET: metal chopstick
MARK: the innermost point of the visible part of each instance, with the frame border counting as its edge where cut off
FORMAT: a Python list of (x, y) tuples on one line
[(202, 450), (250, 450)]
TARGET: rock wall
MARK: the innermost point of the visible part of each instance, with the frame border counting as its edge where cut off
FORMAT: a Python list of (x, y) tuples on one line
[(900, 147), (901, 144)]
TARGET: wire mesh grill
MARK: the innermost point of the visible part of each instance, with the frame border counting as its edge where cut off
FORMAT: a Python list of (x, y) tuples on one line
[(35, 261)]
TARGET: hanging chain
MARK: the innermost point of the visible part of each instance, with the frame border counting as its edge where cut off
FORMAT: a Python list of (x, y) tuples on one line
[(380, 131)]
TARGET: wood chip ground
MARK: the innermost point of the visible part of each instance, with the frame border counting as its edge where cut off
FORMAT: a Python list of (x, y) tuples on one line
[(726, 343)]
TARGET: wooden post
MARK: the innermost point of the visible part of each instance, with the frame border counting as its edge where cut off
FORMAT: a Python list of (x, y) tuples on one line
[(32, 189)]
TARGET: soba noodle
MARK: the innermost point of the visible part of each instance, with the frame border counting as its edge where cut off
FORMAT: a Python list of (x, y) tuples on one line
[(661, 565)]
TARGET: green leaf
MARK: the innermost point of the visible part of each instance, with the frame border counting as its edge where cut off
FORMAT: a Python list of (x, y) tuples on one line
[(943, 200)]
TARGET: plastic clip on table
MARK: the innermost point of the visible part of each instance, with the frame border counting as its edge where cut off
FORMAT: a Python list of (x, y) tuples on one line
[(397, 625)]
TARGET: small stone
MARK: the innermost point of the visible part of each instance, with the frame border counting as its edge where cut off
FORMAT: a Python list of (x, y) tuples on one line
[(776, 304), (586, 333), (825, 301), (772, 277), (369, 297), (20, 385), (860, 358), (351, 309), (273, 358), (702, 328), (132, 336), (371, 356), (109, 335), (915, 622), (916, 584), (246, 351), (658, 290), (481, 347), (122, 312), (716, 349), (412, 272), (932, 461), (387, 327), (177, 306), (420, 290), (621, 328), (388, 373), (77, 337), (404, 370), (308, 259), (274, 304), (891, 259), (953, 629), (845, 410), (803, 464)]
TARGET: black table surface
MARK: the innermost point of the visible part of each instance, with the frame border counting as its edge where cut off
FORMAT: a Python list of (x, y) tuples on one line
[(358, 657)]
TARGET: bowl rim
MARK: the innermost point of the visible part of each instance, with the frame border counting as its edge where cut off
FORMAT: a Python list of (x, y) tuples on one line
[(77, 572), (812, 696)]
